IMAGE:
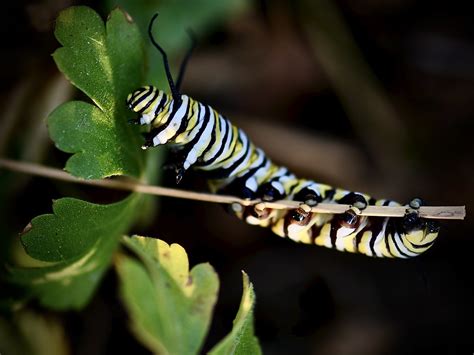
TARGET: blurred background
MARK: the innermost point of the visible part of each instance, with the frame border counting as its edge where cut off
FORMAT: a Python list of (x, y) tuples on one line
[(370, 95)]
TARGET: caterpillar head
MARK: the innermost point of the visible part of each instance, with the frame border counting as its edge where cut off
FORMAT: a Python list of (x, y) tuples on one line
[(140, 100), (147, 101)]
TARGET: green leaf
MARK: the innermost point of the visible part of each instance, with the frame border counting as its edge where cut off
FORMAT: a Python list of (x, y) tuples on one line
[(101, 149), (106, 62), (241, 340), (170, 308), (78, 240)]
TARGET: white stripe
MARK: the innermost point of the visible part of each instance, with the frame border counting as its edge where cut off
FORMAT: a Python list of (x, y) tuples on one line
[(242, 166), (251, 184), (245, 143), (218, 142), (401, 246), (229, 156), (278, 186), (149, 117), (201, 143), (170, 131), (225, 152), (260, 173), (256, 162), (195, 130), (279, 173), (380, 238)]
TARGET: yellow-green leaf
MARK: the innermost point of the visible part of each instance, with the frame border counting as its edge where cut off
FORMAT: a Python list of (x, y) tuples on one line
[(170, 307), (241, 340)]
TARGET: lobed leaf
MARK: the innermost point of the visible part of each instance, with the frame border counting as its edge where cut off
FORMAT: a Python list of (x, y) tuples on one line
[(78, 240), (106, 62), (170, 307), (241, 340)]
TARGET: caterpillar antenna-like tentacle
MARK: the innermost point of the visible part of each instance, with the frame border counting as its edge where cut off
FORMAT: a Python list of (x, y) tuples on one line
[(174, 90), (182, 69)]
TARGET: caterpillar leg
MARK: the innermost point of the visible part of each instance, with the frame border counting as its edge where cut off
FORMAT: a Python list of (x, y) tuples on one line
[(331, 231), (302, 214), (259, 214), (345, 224), (351, 218), (134, 121), (296, 224), (148, 140)]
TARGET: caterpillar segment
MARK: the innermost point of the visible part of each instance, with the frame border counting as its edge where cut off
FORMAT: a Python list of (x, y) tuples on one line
[(207, 142)]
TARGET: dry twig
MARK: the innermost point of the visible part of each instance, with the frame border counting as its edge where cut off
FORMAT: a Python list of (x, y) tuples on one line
[(433, 212)]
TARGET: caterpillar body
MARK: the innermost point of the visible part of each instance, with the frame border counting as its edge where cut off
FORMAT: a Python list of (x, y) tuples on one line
[(207, 142)]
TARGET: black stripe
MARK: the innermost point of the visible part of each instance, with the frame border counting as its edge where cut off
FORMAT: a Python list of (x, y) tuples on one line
[(237, 186), (138, 92), (420, 246), (401, 241), (247, 153), (185, 120), (155, 95), (157, 130), (160, 106), (277, 178), (292, 188), (213, 134), (388, 230), (150, 90), (393, 237), (251, 172), (221, 149), (387, 244), (233, 149), (304, 192), (189, 146), (329, 194), (377, 228), (372, 201), (221, 173)]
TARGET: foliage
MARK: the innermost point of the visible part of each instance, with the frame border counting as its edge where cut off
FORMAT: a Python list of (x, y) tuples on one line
[(106, 63), (79, 255), (169, 306), (241, 339)]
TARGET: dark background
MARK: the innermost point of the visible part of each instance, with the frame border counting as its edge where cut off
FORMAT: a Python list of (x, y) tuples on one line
[(371, 95)]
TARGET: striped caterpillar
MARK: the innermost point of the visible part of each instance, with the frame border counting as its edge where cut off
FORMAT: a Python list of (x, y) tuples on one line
[(207, 142)]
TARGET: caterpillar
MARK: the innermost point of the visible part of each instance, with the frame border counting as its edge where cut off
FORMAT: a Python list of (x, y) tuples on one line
[(207, 142)]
